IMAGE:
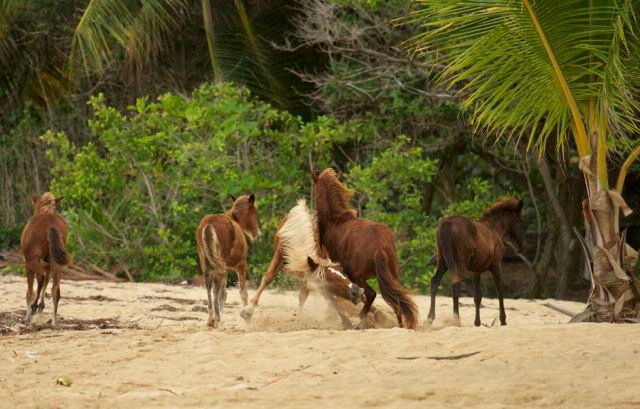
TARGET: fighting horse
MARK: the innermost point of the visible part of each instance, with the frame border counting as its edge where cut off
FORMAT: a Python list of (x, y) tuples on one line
[(43, 244), (298, 251), (221, 247), (464, 245), (365, 249)]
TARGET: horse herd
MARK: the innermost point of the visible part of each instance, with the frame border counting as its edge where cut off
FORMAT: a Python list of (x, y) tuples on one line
[(330, 250)]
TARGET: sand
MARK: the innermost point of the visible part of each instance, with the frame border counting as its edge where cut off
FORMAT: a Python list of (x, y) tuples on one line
[(153, 350)]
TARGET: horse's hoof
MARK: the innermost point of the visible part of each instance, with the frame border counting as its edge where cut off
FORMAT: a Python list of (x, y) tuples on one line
[(246, 313), (364, 324), (41, 307), (213, 324)]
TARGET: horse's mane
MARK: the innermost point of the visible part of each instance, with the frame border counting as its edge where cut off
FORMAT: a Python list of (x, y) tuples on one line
[(46, 204), (299, 240), (238, 206), (500, 207), (338, 195)]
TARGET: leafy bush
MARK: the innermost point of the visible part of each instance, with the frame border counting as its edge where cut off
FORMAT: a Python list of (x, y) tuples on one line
[(137, 192)]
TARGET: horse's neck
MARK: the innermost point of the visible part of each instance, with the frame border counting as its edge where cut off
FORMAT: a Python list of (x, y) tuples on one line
[(495, 225)]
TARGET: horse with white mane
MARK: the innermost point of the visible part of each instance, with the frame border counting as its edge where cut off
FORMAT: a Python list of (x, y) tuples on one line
[(298, 251)]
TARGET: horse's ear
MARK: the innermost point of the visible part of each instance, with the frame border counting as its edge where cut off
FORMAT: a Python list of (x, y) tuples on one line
[(252, 198), (312, 264), (520, 205), (58, 199), (34, 198), (314, 176)]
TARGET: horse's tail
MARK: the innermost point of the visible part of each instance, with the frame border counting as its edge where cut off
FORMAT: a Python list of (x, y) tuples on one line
[(393, 293), (57, 250), (211, 246), (444, 241)]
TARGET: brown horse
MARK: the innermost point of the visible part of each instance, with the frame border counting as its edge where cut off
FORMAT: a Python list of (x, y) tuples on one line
[(364, 248), (297, 247), (43, 243), (222, 247), (465, 246)]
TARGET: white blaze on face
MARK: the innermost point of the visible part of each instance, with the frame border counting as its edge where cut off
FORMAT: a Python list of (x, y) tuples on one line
[(339, 274)]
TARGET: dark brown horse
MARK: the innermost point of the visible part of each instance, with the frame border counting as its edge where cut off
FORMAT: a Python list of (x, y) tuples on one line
[(298, 252), (364, 248), (466, 246), (43, 243), (222, 247)]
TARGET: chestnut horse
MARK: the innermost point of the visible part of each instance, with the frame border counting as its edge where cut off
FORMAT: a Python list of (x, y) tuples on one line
[(465, 246), (364, 248), (221, 247), (297, 247), (43, 243)]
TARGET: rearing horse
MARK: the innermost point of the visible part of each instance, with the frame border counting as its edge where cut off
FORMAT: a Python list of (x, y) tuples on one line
[(465, 246), (364, 248)]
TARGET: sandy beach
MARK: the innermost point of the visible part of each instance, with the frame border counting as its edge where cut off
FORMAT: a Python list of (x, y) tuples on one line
[(147, 346)]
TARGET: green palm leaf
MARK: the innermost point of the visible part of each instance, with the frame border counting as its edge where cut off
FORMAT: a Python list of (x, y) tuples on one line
[(495, 53)]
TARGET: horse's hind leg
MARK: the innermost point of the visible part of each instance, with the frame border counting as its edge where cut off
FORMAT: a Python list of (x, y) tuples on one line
[(477, 296), (435, 283), (219, 293), (496, 272), (34, 269), (370, 296), (242, 283), (457, 281), (208, 280), (44, 290), (55, 292)]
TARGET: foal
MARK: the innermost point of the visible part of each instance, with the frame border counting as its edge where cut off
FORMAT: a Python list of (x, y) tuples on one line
[(297, 247), (43, 243), (222, 247), (364, 248), (465, 246)]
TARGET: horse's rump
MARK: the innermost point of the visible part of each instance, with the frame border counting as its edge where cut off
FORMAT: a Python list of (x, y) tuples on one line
[(455, 229), (211, 246)]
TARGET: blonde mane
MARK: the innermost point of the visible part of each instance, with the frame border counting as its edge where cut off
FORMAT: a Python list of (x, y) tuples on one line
[(299, 240)]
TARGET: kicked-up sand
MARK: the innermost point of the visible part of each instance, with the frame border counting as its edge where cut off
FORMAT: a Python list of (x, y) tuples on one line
[(148, 346)]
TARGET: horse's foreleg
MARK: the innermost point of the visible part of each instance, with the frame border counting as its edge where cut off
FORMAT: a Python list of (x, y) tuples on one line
[(435, 283), (303, 294), (496, 272), (267, 278), (346, 323), (477, 296)]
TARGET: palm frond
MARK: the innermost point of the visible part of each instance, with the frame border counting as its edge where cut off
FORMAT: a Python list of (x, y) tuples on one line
[(495, 55)]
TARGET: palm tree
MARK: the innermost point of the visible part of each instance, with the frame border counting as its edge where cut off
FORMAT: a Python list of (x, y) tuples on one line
[(554, 72)]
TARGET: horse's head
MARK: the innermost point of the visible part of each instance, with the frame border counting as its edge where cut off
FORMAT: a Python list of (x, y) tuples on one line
[(245, 212), (515, 225), (335, 281), (45, 203), (332, 197)]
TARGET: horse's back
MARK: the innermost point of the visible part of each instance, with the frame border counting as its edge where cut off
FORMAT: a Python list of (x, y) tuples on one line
[(230, 239), (355, 242)]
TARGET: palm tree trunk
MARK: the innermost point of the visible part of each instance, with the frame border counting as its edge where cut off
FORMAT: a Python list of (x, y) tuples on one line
[(615, 295)]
